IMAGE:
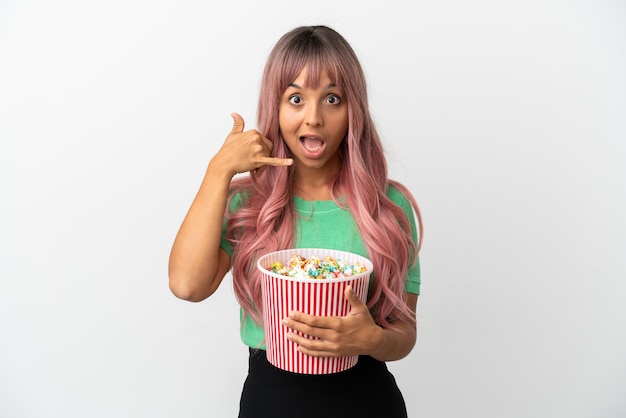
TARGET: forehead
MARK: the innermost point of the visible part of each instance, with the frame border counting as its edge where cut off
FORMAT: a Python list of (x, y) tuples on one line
[(311, 77)]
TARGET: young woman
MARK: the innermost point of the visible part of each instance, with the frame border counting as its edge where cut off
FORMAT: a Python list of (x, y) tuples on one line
[(318, 179)]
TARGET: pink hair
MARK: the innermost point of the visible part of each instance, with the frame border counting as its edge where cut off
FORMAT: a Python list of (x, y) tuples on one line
[(267, 221)]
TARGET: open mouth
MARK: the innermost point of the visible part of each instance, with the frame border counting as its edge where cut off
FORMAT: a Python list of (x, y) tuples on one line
[(312, 143)]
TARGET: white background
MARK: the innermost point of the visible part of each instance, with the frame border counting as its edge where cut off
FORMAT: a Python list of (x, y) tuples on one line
[(505, 118)]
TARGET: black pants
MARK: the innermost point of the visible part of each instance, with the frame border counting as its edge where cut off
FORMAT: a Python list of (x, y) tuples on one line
[(367, 390)]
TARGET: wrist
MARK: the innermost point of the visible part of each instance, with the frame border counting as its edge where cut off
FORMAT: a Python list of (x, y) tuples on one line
[(217, 171), (379, 338)]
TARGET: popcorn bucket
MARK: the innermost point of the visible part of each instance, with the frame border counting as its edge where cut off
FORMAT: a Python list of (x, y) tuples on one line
[(321, 297)]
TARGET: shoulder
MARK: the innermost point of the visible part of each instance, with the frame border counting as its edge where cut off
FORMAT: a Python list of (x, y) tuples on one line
[(393, 191), (399, 194), (238, 198)]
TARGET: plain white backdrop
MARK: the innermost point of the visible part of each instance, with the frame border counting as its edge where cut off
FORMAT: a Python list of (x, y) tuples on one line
[(505, 118)]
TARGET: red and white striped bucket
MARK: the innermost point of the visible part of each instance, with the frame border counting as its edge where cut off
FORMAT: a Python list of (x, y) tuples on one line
[(321, 297)]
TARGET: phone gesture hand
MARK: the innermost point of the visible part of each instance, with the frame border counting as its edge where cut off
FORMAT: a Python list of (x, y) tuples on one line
[(248, 150)]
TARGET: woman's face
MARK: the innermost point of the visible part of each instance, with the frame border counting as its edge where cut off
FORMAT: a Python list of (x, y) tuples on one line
[(314, 122)]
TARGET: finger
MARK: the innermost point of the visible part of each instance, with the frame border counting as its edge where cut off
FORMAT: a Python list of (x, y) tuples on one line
[(312, 346), (296, 317), (275, 161), (238, 124), (352, 297), (298, 327), (306, 323), (271, 161)]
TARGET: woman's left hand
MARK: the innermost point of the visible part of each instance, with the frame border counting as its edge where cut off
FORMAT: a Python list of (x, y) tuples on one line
[(353, 334)]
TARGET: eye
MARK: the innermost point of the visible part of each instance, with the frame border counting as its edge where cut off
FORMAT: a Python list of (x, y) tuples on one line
[(333, 99), (295, 99)]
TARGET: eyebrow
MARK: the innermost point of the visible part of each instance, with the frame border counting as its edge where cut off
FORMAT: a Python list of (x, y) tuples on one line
[(329, 86)]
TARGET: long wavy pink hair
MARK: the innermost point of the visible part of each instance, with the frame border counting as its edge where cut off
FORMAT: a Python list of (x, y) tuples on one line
[(267, 222)]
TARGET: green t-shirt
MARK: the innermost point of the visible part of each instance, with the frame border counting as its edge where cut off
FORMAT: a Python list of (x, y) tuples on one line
[(323, 224)]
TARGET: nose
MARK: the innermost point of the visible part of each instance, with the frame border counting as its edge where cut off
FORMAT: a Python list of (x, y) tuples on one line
[(313, 115)]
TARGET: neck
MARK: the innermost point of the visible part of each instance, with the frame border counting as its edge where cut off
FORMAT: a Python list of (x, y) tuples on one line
[(312, 184)]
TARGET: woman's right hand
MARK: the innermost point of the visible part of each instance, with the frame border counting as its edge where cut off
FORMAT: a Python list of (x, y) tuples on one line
[(246, 151)]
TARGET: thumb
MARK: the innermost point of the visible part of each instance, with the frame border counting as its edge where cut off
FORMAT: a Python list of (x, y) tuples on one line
[(238, 123), (352, 297)]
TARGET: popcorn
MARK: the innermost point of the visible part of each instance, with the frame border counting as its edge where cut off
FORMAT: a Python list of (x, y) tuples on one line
[(316, 268)]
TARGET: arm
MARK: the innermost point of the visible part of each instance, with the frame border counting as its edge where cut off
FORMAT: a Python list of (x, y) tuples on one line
[(397, 343), (197, 264), (356, 333)]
